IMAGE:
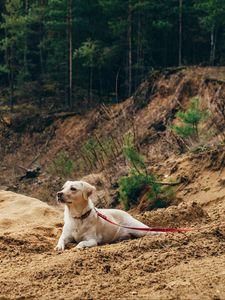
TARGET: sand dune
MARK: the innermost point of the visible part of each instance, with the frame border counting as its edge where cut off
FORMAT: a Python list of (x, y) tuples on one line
[(21, 215)]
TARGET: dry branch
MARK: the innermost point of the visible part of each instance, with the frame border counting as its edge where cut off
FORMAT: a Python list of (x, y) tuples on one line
[(169, 183), (213, 80)]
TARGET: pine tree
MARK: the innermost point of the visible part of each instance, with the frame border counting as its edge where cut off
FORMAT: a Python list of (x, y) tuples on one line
[(212, 18), (12, 41), (191, 120)]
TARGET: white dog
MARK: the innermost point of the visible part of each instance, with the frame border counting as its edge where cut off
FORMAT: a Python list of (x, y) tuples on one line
[(83, 225)]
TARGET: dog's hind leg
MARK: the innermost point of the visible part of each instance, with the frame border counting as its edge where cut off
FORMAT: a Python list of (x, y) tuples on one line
[(88, 243)]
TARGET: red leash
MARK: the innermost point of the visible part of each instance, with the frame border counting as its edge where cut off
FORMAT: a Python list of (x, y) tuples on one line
[(159, 229)]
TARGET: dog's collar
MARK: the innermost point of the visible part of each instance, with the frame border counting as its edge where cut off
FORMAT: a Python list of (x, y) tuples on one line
[(84, 216)]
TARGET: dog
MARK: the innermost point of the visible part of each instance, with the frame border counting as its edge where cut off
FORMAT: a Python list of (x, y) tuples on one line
[(82, 223)]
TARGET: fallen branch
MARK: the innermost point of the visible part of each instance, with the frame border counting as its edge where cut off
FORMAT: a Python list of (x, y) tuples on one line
[(172, 70), (63, 115), (169, 183), (214, 80)]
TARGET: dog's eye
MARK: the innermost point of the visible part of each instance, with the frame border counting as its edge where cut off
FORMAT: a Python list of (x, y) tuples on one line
[(73, 188)]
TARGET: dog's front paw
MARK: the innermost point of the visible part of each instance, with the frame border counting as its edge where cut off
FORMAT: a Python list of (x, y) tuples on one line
[(60, 247), (81, 245)]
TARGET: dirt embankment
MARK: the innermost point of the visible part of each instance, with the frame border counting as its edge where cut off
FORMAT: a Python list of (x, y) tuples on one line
[(166, 266), (28, 141)]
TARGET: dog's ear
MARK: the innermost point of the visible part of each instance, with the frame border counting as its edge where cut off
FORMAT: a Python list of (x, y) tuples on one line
[(88, 189)]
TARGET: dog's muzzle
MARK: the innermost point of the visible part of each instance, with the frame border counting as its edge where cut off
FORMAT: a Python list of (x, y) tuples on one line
[(60, 197)]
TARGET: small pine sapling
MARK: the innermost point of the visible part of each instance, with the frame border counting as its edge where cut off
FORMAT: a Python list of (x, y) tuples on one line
[(191, 120), (131, 186)]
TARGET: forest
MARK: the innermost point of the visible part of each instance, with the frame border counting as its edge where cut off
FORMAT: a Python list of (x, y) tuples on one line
[(113, 110), (62, 53)]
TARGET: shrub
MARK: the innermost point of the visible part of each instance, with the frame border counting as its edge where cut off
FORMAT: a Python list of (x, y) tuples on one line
[(98, 151), (131, 154), (184, 131), (131, 186), (191, 120), (90, 150), (62, 164)]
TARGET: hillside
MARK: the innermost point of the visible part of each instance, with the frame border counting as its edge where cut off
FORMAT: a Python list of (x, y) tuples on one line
[(169, 266), (32, 139)]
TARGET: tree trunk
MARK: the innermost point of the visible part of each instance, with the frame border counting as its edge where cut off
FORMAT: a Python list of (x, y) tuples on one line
[(100, 81), (70, 96), (165, 49), (8, 59), (11, 79), (90, 83), (129, 36), (41, 50), (25, 43), (180, 32), (41, 32), (117, 77), (212, 46), (137, 71), (66, 83)]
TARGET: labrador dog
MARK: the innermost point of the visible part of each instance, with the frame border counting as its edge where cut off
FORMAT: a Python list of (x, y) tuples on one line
[(82, 223)]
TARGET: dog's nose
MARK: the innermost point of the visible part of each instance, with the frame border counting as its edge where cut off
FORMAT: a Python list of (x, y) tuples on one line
[(60, 196)]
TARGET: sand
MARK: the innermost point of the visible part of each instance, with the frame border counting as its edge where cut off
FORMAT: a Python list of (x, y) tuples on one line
[(166, 266)]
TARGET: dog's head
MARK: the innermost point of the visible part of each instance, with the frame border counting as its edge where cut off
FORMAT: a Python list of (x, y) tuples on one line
[(75, 193)]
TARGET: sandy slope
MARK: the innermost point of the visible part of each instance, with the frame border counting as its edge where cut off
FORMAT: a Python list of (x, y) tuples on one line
[(21, 215), (170, 266)]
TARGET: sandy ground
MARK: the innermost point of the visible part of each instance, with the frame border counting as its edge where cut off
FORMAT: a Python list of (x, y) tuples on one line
[(166, 266)]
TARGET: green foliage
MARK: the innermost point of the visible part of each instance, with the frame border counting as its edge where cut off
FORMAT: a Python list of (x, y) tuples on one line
[(90, 149), (62, 165), (138, 179), (136, 159), (131, 154), (132, 185), (201, 148), (3, 69), (211, 13), (98, 151), (193, 115), (89, 52), (34, 42), (185, 131), (191, 120), (167, 193)]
